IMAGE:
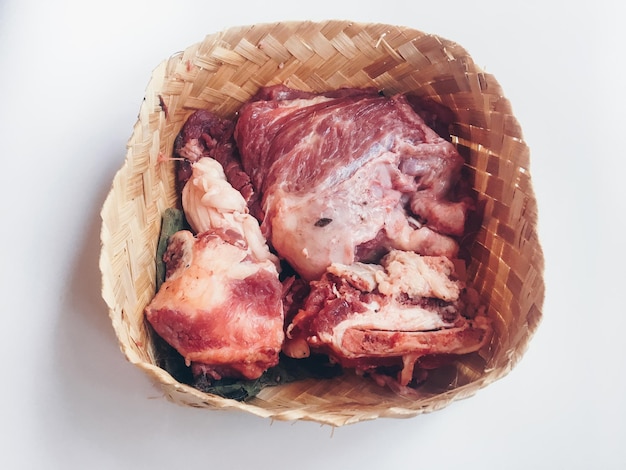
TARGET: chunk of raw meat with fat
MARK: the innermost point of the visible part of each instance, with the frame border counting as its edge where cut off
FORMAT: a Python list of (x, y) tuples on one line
[(348, 176), (360, 197), (390, 315), (220, 306)]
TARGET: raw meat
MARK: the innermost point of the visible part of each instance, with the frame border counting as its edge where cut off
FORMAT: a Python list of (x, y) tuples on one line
[(210, 202), (390, 315), (361, 198), (220, 306), (217, 307), (349, 175), (206, 135)]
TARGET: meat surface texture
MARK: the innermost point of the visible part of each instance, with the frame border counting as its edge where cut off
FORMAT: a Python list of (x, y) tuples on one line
[(390, 315), (348, 176), (362, 206), (210, 202), (220, 306), (206, 135)]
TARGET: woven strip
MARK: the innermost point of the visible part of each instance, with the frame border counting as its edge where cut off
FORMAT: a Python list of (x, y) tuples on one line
[(222, 72)]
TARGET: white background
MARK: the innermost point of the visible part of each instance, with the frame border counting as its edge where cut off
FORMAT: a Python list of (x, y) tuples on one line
[(72, 77)]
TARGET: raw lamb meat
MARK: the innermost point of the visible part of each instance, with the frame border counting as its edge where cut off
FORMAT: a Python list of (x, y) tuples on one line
[(220, 306), (361, 198), (211, 202), (349, 175), (206, 135), (391, 315)]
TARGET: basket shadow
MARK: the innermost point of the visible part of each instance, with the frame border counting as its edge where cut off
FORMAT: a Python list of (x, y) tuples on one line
[(96, 389), (104, 402), (92, 365)]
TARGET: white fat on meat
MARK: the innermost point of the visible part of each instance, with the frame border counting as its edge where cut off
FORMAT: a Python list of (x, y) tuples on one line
[(388, 317), (363, 276), (210, 203), (325, 225), (406, 234), (220, 306), (404, 272), (400, 273), (418, 276), (204, 310), (365, 315)]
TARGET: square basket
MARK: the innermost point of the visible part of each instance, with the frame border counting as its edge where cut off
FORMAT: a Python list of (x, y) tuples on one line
[(226, 69)]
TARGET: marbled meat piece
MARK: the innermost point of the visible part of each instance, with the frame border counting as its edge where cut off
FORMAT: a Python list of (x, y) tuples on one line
[(349, 175)]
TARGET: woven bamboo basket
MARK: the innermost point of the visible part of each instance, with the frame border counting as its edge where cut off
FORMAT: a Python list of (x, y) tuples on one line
[(222, 72)]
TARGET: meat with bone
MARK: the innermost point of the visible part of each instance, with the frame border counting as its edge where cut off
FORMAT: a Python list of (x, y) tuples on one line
[(349, 174), (360, 197), (220, 306), (367, 316)]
